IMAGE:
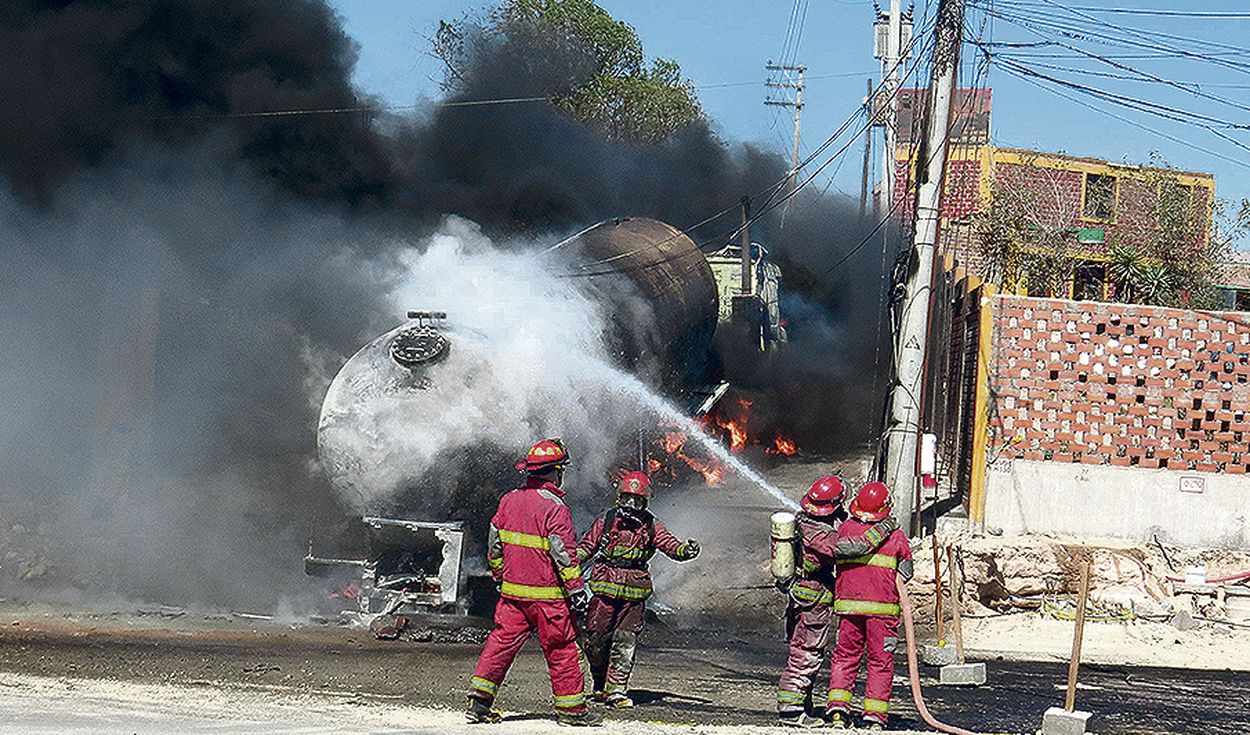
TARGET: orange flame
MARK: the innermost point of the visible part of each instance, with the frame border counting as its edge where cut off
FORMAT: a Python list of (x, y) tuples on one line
[(782, 446), (350, 592), (672, 443)]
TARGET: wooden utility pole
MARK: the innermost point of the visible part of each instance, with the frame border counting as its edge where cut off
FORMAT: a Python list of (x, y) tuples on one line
[(903, 432), (791, 78), (1074, 664)]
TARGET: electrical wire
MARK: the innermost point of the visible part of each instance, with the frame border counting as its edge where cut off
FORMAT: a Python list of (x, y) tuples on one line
[(1109, 74), (1103, 33), (1129, 121), (1164, 13), (1147, 76)]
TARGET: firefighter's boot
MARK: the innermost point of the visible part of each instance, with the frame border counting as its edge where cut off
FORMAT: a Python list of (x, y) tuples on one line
[(579, 719), (800, 720), (481, 713), (837, 721), (618, 700)]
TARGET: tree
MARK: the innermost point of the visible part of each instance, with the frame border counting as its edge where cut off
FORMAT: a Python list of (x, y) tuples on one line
[(1025, 232), (612, 87)]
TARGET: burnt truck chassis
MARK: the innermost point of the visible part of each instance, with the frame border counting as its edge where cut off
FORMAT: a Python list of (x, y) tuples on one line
[(409, 567)]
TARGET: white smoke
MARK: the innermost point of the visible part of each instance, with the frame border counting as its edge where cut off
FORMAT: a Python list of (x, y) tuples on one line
[(527, 361)]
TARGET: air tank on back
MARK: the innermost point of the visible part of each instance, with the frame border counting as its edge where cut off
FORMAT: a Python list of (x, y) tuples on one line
[(383, 419)]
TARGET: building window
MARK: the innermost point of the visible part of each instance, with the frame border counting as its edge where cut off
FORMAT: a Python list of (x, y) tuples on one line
[(1089, 280), (1099, 197)]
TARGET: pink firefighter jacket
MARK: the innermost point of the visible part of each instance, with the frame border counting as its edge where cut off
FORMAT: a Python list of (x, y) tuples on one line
[(865, 583), (531, 544), (625, 544)]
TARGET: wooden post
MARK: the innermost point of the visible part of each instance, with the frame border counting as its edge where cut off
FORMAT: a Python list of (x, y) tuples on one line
[(1069, 702), (956, 604), (937, 584)]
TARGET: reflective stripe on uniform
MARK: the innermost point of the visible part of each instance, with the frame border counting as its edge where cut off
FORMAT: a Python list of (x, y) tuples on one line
[(484, 685), (528, 540), (839, 695), (810, 566), (804, 594), (872, 560), (626, 552), (615, 688), (790, 697), (569, 701), (876, 705), (864, 607), (568, 573), (494, 563), (528, 592), (619, 591)]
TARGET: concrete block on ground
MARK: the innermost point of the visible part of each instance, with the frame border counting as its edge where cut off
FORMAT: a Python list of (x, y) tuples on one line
[(1059, 721), (962, 675), (938, 655)]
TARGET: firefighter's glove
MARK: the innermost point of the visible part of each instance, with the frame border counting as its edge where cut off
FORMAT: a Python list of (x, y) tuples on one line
[(579, 599), (880, 531), (692, 549)]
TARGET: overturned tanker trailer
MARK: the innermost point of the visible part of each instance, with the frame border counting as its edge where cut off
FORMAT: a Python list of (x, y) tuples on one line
[(379, 419)]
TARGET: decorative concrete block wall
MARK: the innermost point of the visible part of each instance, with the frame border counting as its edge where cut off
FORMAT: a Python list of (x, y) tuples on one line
[(1119, 384)]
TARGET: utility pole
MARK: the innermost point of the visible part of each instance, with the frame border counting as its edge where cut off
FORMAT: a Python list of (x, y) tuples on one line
[(794, 82), (865, 181), (893, 37), (903, 433)]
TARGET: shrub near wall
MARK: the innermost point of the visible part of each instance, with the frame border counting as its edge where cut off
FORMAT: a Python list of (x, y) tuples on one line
[(1120, 384)]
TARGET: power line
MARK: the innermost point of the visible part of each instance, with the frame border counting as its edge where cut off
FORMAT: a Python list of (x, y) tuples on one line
[(1113, 75), (1127, 121), (355, 109), (1064, 25), (1163, 13)]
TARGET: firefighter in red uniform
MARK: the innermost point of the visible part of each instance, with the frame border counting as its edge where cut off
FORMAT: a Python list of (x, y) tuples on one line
[(809, 613), (866, 602), (530, 552), (620, 544)]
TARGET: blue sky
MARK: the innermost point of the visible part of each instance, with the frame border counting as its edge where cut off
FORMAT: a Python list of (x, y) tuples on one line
[(723, 46)]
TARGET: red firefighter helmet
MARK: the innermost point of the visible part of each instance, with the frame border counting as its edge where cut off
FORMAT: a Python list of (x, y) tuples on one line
[(635, 483), (872, 503), (547, 454), (825, 496)]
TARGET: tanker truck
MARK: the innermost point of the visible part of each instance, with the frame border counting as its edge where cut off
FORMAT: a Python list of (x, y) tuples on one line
[(663, 298)]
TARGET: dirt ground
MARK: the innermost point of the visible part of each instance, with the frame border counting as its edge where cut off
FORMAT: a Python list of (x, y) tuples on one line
[(162, 669), (122, 673)]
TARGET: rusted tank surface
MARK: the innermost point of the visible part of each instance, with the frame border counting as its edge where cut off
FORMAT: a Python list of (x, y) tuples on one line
[(659, 288)]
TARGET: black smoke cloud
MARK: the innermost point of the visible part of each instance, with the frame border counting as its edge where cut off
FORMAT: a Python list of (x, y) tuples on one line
[(145, 201)]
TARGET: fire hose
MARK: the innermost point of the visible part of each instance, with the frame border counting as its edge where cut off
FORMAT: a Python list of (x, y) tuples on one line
[(913, 668), (1230, 578)]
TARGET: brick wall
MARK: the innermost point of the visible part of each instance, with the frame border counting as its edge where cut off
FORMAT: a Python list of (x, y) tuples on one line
[(1119, 384), (1051, 186)]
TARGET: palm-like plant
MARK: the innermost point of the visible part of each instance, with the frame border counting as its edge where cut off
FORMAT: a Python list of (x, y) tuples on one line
[(1124, 269), (1155, 283)]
